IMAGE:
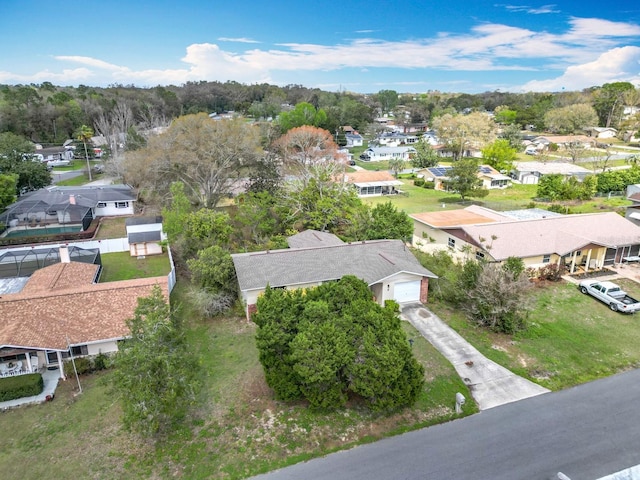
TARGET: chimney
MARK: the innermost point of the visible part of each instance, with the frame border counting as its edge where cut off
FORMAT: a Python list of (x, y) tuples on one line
[(64, 254)]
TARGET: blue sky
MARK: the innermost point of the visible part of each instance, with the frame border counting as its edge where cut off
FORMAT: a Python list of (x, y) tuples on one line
[(360, 46)]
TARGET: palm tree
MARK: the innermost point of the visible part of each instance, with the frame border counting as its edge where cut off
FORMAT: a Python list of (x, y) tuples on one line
[(84, 134)]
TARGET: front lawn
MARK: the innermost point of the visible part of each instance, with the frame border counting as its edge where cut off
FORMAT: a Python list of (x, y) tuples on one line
[(419, 199), (122, 266), (237, 430), (573, 338)]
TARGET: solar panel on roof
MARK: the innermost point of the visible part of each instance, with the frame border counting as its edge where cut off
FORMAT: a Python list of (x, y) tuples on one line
[(485, 169)]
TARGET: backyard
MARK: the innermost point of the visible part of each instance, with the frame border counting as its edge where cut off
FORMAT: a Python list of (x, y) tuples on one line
[(122, 266)]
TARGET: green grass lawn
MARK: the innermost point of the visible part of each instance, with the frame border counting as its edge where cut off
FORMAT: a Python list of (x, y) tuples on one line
[(122, 266), (573, 338), (419, 199), (237, 430), (112, 227), (73, 182)]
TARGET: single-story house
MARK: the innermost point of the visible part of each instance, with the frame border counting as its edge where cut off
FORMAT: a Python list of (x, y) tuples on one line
[(354, 140), (602, 132), (368, 183), (55, 207), (388, 267), (144, 235), (431, 138), (50, 154), (378, 154), (590, 241), (489, 176), (565, 141), (62, 311), (395, 139), (530, 172)]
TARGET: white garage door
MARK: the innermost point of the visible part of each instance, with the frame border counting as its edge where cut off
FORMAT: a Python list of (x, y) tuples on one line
[(407, 291)]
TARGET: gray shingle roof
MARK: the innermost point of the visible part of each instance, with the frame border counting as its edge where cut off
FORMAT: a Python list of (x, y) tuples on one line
[(142, 237), (371, 261), (313, 238), (142, 220)]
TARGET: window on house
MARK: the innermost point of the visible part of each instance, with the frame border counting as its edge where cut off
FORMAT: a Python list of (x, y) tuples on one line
[(451, 242), (546, 258), (102, 204), (77, 351), (122, 204)]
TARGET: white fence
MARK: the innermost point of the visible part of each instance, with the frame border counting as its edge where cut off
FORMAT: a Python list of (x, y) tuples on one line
[(110, 245)]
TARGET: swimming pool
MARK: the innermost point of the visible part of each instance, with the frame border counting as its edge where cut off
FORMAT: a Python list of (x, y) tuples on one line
[(36, 232)]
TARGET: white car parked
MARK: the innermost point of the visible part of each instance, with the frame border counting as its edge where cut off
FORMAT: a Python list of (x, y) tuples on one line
[(58, 163)]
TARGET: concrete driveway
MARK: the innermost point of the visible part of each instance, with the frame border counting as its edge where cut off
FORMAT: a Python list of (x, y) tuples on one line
[(490, 384)]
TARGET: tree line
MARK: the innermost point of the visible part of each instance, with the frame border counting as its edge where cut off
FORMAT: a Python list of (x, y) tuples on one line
[(50, 114)]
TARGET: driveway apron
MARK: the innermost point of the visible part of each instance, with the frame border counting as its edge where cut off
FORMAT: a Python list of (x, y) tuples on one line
[(490, 384)]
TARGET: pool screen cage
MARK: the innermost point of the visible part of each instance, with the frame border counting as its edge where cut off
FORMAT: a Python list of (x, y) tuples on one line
[(22, 263), (38, 214)]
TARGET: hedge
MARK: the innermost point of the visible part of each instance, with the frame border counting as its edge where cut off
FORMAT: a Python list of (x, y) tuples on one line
[(20, 386)]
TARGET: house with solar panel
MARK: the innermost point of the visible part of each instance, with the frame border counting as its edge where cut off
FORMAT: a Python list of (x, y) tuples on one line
[(489, 176)]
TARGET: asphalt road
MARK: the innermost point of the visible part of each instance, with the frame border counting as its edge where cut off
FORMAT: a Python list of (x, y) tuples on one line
[(585, 432), (64, 175)]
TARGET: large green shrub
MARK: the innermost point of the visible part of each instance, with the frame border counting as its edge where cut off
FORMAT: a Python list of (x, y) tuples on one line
[(332, 342)]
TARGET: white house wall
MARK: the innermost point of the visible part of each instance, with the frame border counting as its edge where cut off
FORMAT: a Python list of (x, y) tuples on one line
[(102, 347), (111, 210)]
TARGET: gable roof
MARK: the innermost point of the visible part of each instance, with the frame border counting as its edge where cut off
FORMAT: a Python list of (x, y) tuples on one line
[(560, 235), (313, 238), (59, 304), (371, 261)]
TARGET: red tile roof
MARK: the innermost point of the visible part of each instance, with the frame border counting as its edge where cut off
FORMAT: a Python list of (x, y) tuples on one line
[(62, 305)]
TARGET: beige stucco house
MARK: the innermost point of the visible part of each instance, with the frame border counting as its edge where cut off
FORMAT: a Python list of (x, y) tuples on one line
[(587, 241)]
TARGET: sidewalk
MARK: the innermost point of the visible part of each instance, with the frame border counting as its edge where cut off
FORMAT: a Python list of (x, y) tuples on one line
[(490, 384)]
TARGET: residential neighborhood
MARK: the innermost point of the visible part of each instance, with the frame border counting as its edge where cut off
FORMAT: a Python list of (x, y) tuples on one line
[(285, 278)]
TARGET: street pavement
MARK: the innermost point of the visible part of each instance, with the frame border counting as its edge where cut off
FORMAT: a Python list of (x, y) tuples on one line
[(585, 433), (490, 384)]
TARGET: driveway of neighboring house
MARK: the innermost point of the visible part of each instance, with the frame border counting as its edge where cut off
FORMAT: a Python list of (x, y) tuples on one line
[(490, 384)]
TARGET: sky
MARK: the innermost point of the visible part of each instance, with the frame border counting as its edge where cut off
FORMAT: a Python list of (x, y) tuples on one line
[(358, 46)]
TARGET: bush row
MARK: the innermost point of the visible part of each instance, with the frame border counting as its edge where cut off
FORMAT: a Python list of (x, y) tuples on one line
[(86, 365), (20, 386)]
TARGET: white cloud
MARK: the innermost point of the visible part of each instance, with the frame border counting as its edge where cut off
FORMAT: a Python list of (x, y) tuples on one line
[(531, 10), (66, 77), (238, 40), (618, 64), (486, 47)]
